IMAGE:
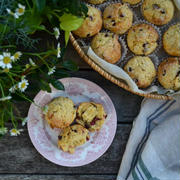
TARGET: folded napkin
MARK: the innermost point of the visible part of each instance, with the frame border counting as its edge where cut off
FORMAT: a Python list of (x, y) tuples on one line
[(153, 148)]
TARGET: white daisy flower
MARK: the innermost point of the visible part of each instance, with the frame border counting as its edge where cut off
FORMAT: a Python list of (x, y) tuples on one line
[(51, 70), (56, 32), (13, 88), (3, 130), (5, 98), (45, 109), (58, 51), (5, 60), (23, 85), (15, 132), (24, 121), (17, 55), (31, 62), (20, 10)]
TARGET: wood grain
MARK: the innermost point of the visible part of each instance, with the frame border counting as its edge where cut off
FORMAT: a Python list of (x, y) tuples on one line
[(18, 156)]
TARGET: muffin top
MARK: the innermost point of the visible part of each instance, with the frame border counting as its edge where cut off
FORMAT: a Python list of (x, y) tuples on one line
[(72, 137), (141, 69), (61, 112), (158, 12), (91, 115), (142, 39), (171, 40), (96, 1), (107, 46), (91, 25), (169, 73), (132, 2), (117, 18)]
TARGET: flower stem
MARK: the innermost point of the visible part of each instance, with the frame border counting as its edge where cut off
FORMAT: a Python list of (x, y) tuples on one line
[(2, 90)]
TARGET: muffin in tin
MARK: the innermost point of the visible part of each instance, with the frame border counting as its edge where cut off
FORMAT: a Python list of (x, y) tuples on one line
[(132, 2), (91, 115), (142, 70), (95, 1), (171, 40), (117, 18), (61, 112), (91, 25), (106, 45), (142, 39), (169, 73), (72, 137), (158, 12)]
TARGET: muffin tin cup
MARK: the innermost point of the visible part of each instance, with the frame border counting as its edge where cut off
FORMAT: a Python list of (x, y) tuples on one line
[(159, 41)]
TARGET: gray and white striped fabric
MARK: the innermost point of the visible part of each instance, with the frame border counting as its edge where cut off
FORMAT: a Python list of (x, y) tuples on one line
[(153, 148)]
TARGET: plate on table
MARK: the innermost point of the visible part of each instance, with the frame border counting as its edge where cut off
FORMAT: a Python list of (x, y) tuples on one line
[(45, 139)]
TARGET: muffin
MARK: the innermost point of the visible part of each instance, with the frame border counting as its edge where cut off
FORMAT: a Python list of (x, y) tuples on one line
[(107, 47), (95, 1), (158, 12), (72, 137), (141, 69), (91, 25), (91, 115), (171, 40), (60, 113), (142, 39), (117, 18), (132, 2), (169, 73)]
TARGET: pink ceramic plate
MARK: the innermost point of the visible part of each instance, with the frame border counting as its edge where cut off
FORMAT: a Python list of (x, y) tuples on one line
[(45, 139)]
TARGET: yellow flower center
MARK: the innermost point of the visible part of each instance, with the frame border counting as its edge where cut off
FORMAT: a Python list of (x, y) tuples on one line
[(16, 55), (23, 85), (14, 131), (21, 10), (6, 60)]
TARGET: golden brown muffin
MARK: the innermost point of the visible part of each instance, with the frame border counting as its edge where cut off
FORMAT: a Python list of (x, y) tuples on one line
[(95, 1), (142, 39), (158, 12), (91, 25), (171, 40), (141, 69), (61, 112), (169, 73), (117, 18), (91, 115), (107, 46), (132, 2), (72, 137)]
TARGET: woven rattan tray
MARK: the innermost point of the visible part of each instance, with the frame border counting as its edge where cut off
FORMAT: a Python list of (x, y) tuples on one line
[(108, 76)]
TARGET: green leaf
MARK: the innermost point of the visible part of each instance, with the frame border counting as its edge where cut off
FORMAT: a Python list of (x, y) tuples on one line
[(70, 65), (61, 73), (67, 33), (39, 5), (69, 22), (45, 86), (57, 84)]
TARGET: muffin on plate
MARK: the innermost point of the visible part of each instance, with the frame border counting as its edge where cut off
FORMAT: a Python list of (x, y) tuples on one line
[(91, 25), (158, 12), (95, 1), (91, 115), (117, 18), (169, 73), (132, 2), (171, 40), (60, 113), (107, 47), (142, 39), (142, 70), (72, 137)]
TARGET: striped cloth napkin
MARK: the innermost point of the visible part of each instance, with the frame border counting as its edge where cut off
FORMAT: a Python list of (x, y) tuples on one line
[(153, 148)]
